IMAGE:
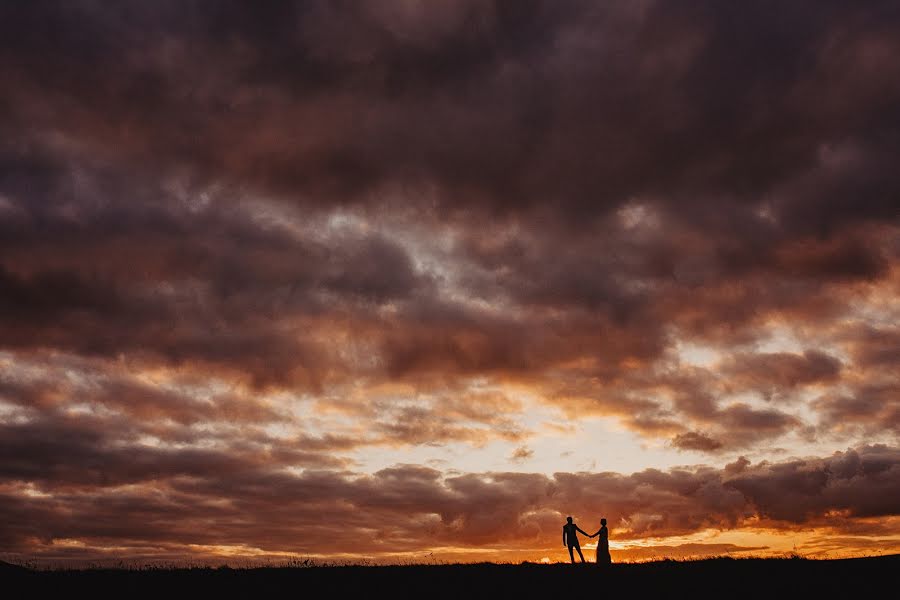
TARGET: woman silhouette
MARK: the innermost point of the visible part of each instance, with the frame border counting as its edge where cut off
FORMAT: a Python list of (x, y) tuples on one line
[(603, 557)]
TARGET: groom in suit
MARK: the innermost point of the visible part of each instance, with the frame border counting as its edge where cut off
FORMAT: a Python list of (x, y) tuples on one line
[(570, 538)]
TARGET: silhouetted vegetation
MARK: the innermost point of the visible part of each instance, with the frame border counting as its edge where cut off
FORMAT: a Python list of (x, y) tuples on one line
[(713, 578)]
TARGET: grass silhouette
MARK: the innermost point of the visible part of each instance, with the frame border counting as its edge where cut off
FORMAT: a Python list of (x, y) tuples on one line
[(722, 577)]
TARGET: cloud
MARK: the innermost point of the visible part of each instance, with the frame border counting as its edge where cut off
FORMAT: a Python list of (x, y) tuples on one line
[(695, 441), (871, 408), (521, 454), (874, 347), (782, 370), (854, 482), (257, 242), (192, 251), (418, 507)]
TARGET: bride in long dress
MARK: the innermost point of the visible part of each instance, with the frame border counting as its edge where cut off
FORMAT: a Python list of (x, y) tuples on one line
[(603, 557)]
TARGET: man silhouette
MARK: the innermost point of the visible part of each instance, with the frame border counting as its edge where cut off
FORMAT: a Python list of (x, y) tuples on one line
[(570, 538)]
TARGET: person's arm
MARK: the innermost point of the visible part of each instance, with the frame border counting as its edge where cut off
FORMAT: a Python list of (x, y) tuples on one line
[(595, 533), (582, 532)]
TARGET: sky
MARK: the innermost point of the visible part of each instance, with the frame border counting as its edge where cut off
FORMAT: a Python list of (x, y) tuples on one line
[(413, 281)]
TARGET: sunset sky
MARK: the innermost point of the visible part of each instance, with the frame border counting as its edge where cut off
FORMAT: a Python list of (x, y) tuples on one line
[(412, 281)]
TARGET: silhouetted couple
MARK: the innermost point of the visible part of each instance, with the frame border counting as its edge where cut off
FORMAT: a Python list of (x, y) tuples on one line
[(570, 539)]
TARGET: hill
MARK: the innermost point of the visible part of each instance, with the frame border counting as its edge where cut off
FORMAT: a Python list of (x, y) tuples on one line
[(8, 568)]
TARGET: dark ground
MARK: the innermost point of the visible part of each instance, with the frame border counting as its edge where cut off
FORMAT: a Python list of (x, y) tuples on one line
[(720, 578)]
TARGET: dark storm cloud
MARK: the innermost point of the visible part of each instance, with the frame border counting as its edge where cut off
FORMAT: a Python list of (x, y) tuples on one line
[(80, 454), (504, 105), (414, 506), (182, 283), (875, 347), (863, 483), (587, 105), (867, 409), (782, 370), (114, 391)]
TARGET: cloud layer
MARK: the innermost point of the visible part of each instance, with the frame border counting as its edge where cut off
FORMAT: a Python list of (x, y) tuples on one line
[(208, 500), (243, 247)]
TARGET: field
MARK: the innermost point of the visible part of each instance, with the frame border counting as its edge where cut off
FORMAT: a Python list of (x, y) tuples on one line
[(710, 578)]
